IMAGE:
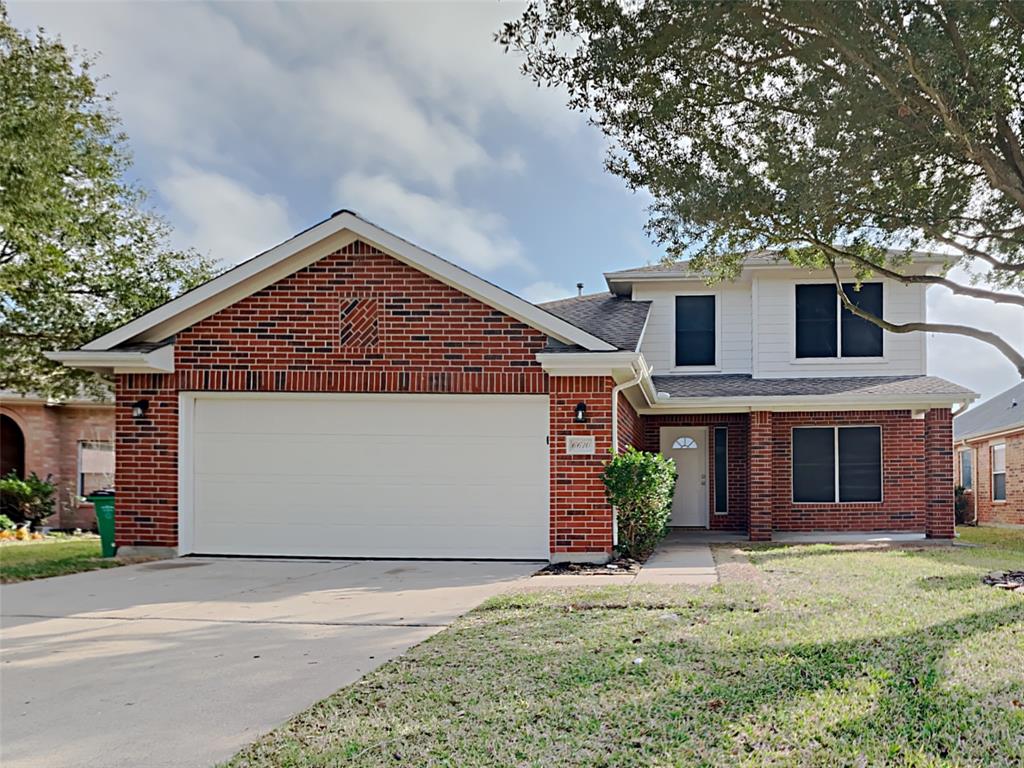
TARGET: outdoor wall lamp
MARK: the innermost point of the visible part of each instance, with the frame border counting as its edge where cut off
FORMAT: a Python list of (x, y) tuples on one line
[(581, 413), (139, 408)]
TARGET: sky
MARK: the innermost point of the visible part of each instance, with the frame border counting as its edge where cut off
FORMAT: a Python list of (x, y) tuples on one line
[(252, 121)]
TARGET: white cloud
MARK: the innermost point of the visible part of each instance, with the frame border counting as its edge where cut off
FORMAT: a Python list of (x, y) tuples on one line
[(472, 238), (405, 89), (969, 362), (544, 290), (222, 217)]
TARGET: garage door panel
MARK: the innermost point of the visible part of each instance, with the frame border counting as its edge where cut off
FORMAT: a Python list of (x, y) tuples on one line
[(348, 455), (422, 415), (314, 541), (371, 476), (243, 500)]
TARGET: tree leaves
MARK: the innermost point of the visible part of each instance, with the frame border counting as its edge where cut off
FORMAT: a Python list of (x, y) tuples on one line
[(80, 253)]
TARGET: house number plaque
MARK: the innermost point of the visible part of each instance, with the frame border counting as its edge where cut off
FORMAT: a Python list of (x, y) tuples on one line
[(580, 446)]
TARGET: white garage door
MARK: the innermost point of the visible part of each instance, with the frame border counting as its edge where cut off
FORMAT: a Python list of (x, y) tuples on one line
[(367, 476)]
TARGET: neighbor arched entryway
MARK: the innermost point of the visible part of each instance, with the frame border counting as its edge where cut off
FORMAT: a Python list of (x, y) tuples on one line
[(12, 447)]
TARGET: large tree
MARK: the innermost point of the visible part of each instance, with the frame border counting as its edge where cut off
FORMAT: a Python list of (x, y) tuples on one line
[(836, 132), (80, 253)]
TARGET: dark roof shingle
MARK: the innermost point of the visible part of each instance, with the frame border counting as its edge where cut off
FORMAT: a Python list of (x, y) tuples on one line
[(994, 415), (743, 385), (614, 319)]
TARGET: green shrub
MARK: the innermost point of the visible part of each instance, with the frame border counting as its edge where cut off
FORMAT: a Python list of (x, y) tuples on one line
[(960, 504), (26, 501), (6, 524), (640, 486)]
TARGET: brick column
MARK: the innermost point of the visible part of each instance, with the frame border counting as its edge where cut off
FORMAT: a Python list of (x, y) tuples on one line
[(146, 462), (938, 450), (760, 467), (581, 518)]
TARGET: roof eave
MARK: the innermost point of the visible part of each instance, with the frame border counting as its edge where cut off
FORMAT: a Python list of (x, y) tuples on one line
[(110, 362), (745, 404)]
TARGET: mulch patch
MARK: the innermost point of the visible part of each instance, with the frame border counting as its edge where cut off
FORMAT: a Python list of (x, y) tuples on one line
[(623, 565)]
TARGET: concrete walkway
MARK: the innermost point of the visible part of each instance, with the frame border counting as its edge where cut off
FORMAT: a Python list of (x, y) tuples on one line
[(182, 662), (677, 560)]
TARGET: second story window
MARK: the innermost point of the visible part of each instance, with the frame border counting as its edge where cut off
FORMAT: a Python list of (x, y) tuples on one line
[(824, 328), (695, 330)]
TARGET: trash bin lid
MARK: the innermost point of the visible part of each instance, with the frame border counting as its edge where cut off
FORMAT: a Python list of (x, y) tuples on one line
[(102, 492)]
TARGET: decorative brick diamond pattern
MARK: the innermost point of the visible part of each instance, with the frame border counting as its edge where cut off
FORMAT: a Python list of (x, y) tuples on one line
[(360, 323)]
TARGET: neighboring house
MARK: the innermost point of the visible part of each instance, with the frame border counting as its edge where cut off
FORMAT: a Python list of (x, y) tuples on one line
[(71, 441), (990, 458), (347, 393)]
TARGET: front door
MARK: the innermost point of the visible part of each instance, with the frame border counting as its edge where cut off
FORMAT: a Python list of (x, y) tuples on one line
[(689, 447)]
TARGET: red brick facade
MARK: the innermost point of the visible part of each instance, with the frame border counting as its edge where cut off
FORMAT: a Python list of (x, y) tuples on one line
[(738, 427), (52, 435), (1010, 511), (581, 519), (361, 321)]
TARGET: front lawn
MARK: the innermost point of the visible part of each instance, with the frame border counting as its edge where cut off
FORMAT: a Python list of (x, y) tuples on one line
[(39, 559), (827, 657), (990, 536)]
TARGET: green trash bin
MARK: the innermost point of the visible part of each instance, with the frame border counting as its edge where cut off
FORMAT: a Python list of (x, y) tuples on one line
[(104, 503)]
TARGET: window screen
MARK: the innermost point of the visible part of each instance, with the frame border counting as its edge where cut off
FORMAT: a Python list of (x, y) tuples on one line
[(862, 338), (860, 464), (721, 470), (816, 321), (999, 472), (966, 469), (95, 467), (814, 468), (695, 330)]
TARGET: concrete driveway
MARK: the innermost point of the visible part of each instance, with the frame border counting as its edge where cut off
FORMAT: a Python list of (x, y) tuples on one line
[(182, 662)]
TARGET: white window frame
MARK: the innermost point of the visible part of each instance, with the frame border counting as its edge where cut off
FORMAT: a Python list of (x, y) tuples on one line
[(960, 467), (718, 333), (839, 328), (992, 464), (835, 447), (79, 486)]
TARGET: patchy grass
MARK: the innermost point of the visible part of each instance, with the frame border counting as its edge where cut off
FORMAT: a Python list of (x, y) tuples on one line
[(40, 559), (838, 657), (989, 536)]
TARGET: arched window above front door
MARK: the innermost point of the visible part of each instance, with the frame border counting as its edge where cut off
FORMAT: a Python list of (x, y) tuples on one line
[(684, 442)]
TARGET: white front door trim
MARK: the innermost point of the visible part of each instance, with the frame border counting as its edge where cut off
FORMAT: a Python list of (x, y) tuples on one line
[(690, 500)]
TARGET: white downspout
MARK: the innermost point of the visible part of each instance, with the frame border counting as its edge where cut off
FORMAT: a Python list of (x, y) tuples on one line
[(615, 440)]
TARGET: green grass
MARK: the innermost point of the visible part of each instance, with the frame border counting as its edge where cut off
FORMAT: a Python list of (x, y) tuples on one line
[(38, 560), (884, 657), (1000, 538)]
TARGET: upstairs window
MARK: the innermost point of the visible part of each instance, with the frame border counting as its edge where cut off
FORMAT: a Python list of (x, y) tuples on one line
[(837, 464), (695, 330), (825, 328), (999, 472)]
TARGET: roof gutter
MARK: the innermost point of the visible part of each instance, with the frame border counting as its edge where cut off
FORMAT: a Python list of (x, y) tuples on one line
[(988, 435)]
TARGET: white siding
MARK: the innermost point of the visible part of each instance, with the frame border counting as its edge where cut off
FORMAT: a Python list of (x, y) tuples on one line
[(734, 325), (763, 303), (775, 320)]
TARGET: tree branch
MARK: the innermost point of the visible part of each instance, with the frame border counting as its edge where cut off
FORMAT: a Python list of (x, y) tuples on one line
[(958, 288), (988, 337)]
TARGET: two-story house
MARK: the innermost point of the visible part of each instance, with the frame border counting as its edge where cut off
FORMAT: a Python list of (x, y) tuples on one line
[(349, 394)]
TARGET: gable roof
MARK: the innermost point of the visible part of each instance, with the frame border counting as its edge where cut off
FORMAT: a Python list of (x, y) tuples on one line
[(615, 319), (308, 247), (997, 414)]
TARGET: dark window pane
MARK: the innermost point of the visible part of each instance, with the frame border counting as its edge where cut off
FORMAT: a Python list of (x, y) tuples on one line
[(814, 464), (999, 486), (966, 470), (816, 326), (862, 338), (695, 330), (721, 469), (860, 464)]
